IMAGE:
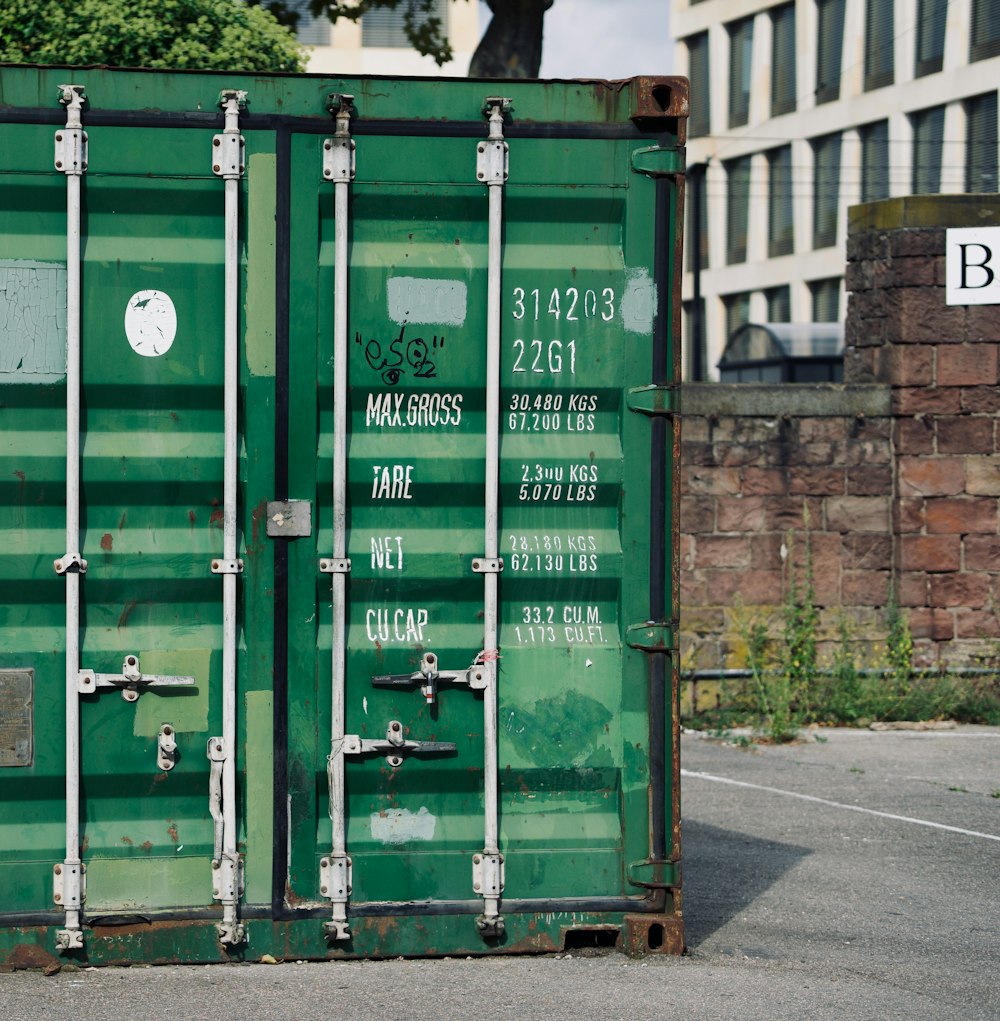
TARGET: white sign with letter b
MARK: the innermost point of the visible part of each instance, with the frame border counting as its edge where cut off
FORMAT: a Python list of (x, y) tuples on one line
[(972, 266)]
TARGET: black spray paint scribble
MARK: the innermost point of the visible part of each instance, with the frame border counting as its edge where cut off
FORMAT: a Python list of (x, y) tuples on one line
[(400, 356)]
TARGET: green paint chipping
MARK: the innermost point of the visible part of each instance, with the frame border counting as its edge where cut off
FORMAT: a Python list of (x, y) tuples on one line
[(260, 794), (185, 709), (570, 729), (260, 272)]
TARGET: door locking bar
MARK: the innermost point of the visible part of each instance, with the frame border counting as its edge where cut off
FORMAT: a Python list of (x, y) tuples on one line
[(131, 681), (429, 677), (229, 163), (339, 166), (395, 747), (71, 160), (492, 167)]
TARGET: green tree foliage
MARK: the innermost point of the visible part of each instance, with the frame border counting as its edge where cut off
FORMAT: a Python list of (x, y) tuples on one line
[(191, 34)]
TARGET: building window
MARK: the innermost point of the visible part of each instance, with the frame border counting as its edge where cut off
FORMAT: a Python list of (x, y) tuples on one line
[(737, 308), (780, 234), (826, 190), (985, 29), (740, 54), (783, 60), (387, 27), (779, 304), (695, 333), (829, 45), (311, 29), (874, 161), (879, 43), (697, 234), (825, 300), (928, 139), (699, 122), (981, 143), (931, 18), (738, 180)]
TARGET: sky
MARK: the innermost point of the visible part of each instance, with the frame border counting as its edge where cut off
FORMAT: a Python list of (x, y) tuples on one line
[(604, 38)]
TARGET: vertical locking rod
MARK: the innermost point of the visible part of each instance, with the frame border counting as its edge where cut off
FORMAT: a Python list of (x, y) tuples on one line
[(492, 170), (228, 163), (71, 159), (335, 873)]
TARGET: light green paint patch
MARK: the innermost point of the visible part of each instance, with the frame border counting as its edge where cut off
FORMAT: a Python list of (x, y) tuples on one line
[(260, 269), (260, 795), (134, 884), (639, 302), (32, 322), (185, 709)]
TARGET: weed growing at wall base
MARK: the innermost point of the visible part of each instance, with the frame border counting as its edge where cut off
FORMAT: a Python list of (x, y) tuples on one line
[(786, 687)]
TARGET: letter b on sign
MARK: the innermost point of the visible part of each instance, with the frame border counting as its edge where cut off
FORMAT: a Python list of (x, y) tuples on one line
[(972, 264)]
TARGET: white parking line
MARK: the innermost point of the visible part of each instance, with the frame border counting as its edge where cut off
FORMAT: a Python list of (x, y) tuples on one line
[(838, 804)]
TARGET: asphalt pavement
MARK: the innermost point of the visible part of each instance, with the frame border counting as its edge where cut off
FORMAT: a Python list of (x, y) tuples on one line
[(853, 876)]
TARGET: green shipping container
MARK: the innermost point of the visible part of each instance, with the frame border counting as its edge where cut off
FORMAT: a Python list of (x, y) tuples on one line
[(337, 444)]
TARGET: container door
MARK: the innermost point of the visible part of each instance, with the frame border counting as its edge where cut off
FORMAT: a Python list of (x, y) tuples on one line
[(151, 464), (576, 315)]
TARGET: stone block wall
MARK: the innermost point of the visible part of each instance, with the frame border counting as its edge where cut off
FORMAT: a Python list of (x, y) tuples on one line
[(762, 465), (897, 471)]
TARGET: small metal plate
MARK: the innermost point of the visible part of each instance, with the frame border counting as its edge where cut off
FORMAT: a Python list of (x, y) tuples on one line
[(291, 519), (16, 717)]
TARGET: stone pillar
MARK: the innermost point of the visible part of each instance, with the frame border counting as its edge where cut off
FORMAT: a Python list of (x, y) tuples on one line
[(941, 363)]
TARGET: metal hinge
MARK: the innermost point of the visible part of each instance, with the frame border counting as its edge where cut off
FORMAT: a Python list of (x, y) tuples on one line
[(653, 875), (655, 399), (69, 885), (652, 636), (656, 162), (488, 874)]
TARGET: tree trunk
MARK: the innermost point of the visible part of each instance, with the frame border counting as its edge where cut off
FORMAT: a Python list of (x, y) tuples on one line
[(511, 46)]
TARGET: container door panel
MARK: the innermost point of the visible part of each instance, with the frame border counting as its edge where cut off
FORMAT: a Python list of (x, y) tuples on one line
[(151, 463)]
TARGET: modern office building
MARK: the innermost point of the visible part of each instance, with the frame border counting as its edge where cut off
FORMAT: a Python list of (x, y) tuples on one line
[(377, 43), (802, 108)]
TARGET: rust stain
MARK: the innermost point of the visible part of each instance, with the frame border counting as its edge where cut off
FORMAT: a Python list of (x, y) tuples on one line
[(107, 542), (215, 518), (121, 521), (147, 846), (30, 956), (191, 517), (19, 474), (385, 926), (258, 514), (292, 899), (126, 613), (172, 833), (127, 840), (122, 932)]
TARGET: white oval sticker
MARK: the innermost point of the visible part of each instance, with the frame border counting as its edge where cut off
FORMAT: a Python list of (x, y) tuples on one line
[(150, 323)]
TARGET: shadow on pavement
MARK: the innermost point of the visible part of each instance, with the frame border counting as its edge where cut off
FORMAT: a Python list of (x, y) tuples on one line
[(725, 871)]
